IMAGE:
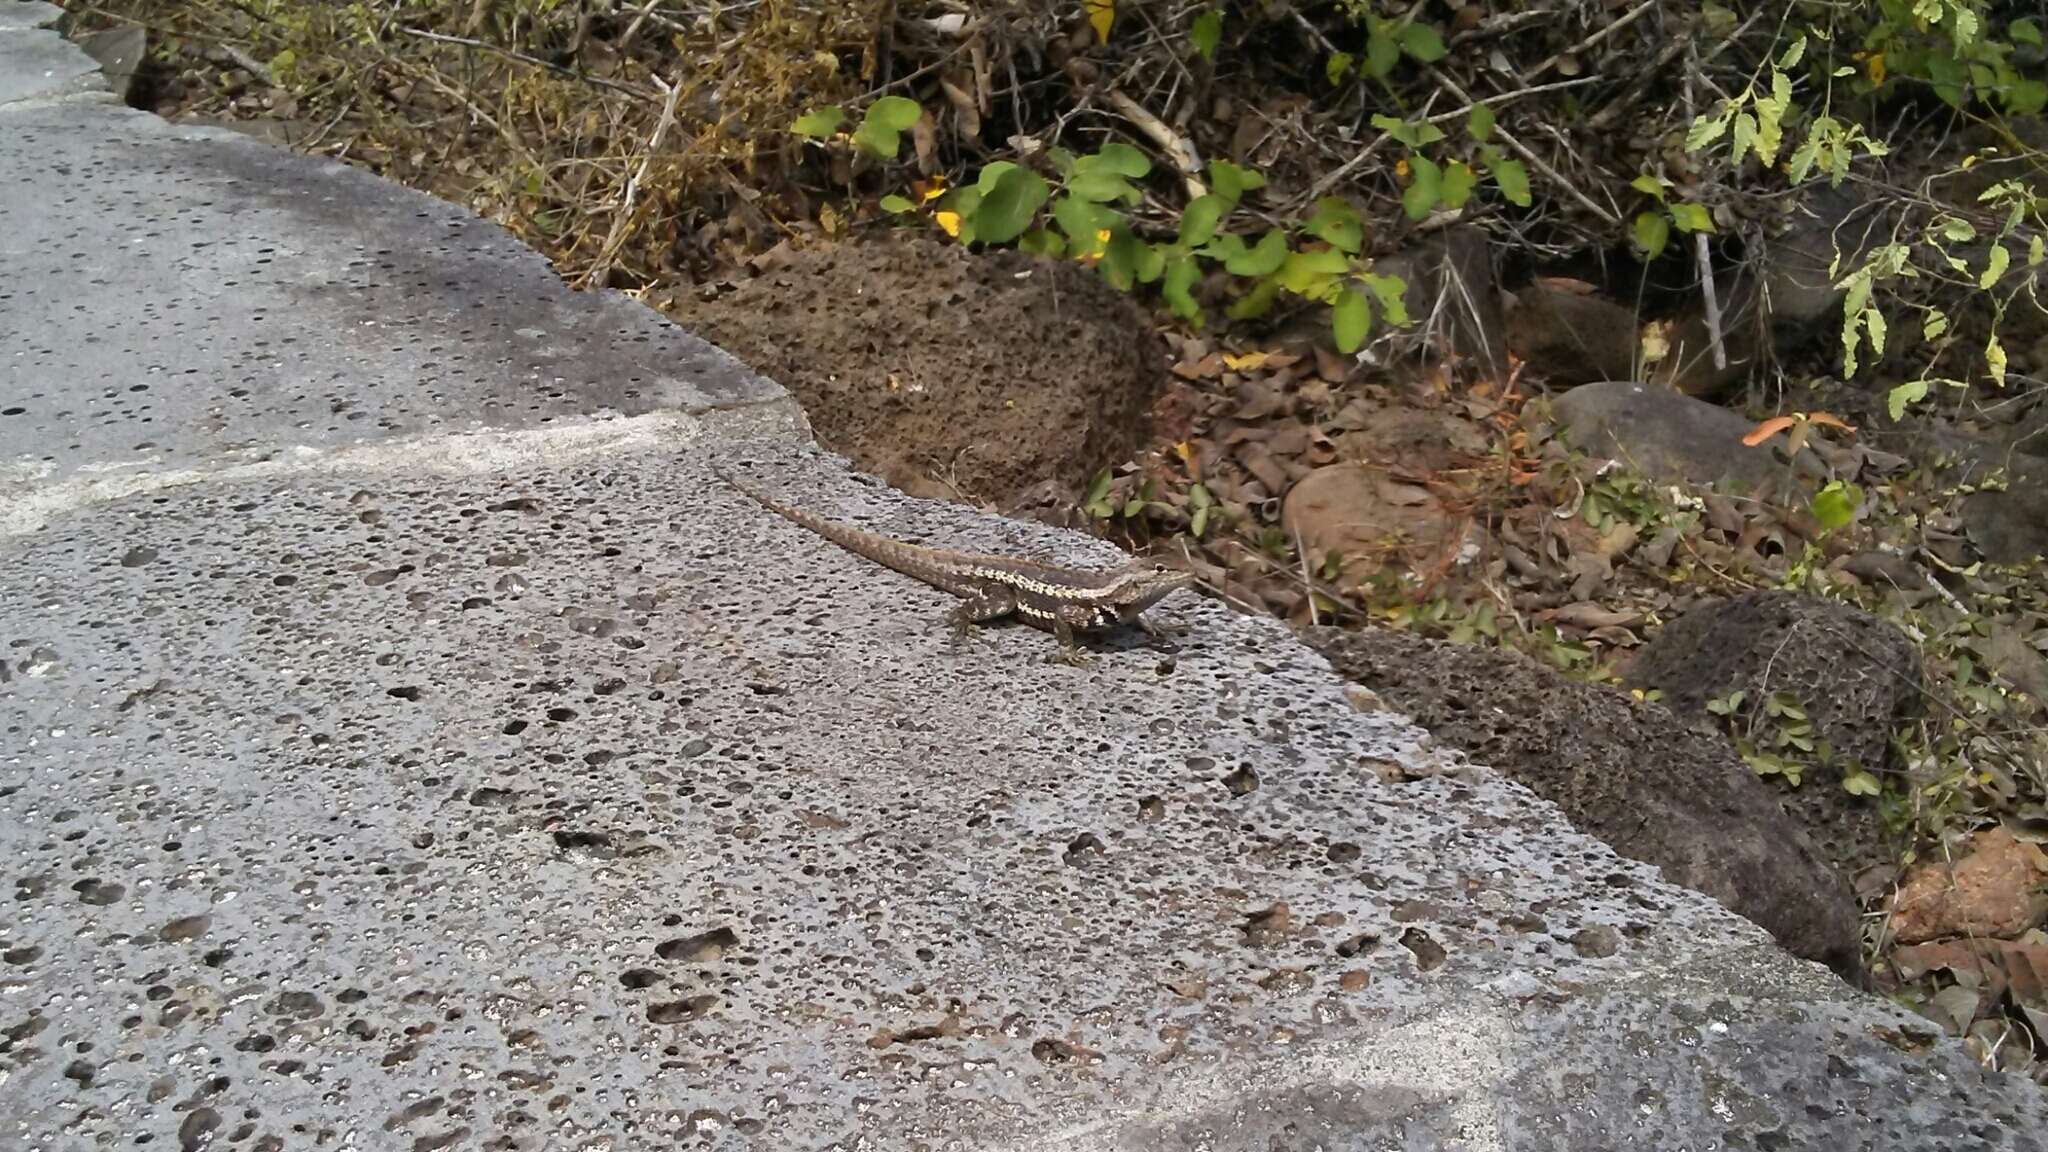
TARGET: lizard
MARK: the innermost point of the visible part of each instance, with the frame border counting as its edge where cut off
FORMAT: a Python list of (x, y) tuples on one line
[(1052, 597)]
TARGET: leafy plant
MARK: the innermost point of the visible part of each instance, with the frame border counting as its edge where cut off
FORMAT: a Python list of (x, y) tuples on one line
[(1080, 209), (1446, 181), (1948, 46), (1651, 231)]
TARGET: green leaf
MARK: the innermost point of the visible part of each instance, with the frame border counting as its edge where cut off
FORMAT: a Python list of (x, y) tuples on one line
[(876, 141), (1101, 186), (1382, 52), (1648, 185), (820, 122), (1513, 180), (1042, 242), (1150, 261), (1262, 259), (1933, 324), (1692, 218), (892, 114), (2024, 97), (1459, 181), (1479, 125), (1206, 32), (1256, 302), (1098, 489), (1224, 248), (1790, 59), (1859, 783), (1350, 320), (1175, 285), (1081, 221), (1232, 181), (2024, 31), (1708, 128), (1995, 263), (1336, 223), (1423, 42), (1835, 505), (1119, 157), (1391, 292), (1424, 187), (1337, 67), (897, 204), (1652, 233), (1199, 220), (1120, 260), (991, 173), (1009, 207), (2036, 252), (1744, 138), (1900, 398), (1313, 274), (1948, 75)]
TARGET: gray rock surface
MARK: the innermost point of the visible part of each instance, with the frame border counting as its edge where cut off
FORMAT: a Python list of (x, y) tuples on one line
[(36, 63), (361, 309), (479, 774)]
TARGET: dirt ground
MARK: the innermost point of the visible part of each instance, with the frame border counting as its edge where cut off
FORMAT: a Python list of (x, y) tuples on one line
[(948, 374)]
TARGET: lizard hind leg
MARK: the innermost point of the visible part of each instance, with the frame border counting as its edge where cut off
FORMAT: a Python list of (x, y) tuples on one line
[(993, 604)]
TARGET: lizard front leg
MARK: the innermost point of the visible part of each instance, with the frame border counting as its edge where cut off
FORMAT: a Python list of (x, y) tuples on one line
[(992, 603), (1068, 619)]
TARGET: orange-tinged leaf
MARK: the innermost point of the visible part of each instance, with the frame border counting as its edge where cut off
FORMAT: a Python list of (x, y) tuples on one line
[(1768, 429), (1186, 452), (1875, 67), (1829, 420), (1249, 362), (950, 221)]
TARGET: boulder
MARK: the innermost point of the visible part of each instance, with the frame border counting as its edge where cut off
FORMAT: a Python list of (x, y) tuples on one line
[(1853, 674), (1453, 297), (1569, 337), (1669, 436), (1624, 770)]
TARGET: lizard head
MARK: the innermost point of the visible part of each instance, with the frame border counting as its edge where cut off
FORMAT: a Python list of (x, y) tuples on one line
[(1147, 584)]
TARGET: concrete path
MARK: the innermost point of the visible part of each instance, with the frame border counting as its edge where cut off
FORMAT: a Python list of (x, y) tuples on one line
[(405, 743)]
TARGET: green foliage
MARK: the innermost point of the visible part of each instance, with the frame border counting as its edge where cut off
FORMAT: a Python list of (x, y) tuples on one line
[(1206, 33), (1836, 505), (1449, 178), (1079, 209), (820, 122), (1775, 737), (1651, 231), (1960, 51)]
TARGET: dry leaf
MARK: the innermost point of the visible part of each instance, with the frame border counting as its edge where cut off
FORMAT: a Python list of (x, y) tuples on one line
[(1586, 614), (957, 87)]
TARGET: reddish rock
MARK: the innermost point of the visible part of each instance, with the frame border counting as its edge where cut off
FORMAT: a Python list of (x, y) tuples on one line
[(1994, 890)]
